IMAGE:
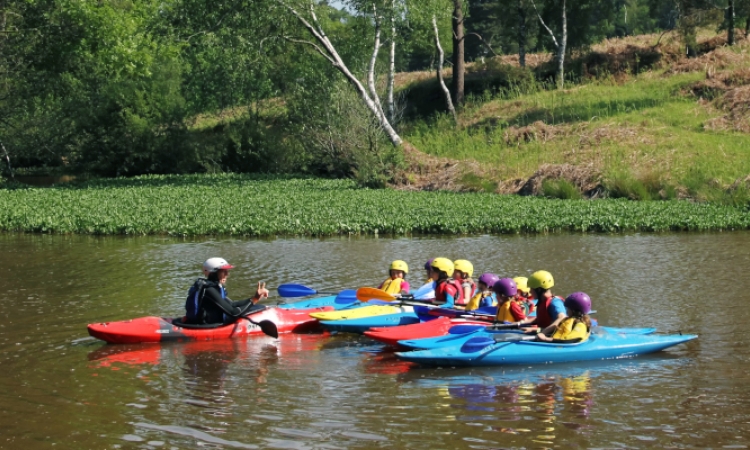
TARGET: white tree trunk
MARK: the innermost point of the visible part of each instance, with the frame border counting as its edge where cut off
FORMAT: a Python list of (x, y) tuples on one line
[(371, 67), (559, 46), (390, 102), (441, 56), (329, 52)]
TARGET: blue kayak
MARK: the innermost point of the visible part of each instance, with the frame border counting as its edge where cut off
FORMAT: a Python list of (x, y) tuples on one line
[(363, 324), (451, 340), (486, 351), (346, 299)]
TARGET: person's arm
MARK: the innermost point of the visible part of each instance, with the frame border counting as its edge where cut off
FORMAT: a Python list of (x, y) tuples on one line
[(467, 290), (516, 311), (405, 288), (557, 310), (213, 295)]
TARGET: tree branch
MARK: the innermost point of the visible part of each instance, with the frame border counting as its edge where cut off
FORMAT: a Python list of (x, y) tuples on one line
[(545, 25)]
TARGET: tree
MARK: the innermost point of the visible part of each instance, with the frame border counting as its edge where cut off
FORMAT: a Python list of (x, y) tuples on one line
[(560, 46), (305, 12)]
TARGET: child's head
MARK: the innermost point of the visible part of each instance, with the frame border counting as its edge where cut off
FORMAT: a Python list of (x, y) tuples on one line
[(442, 268), (541, 282), (487, 281), (505, 288), (398, 269), (578, 304), (523, 286), (463, 269)]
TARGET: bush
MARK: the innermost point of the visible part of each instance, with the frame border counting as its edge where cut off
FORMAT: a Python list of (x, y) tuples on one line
[(560, 188)]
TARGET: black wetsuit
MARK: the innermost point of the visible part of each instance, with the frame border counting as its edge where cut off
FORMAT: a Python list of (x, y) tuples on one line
[(221, 309)]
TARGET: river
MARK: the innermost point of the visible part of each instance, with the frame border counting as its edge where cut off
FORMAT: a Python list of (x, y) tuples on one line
[(63, 389)]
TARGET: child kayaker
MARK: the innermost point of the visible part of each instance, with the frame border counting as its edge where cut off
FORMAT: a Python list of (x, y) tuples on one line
[(485, 296), (207, 301), (577, 326), (428, 268), (447, 290), (509, 309), (396, 284), (463, 270), (550, 309), (524, 295)]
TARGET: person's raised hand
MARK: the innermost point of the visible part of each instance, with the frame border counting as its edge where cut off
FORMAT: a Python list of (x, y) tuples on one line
[(261, 293)]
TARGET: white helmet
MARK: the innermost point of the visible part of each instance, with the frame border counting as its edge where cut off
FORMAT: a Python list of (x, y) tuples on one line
[(213, 264)]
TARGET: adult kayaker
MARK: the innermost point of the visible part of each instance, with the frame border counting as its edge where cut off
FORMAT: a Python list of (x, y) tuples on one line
[(508, 308), (577, 326), (447, 290), (207, 301), (485, 296), (463, 270), (396, 282), (550, 309)]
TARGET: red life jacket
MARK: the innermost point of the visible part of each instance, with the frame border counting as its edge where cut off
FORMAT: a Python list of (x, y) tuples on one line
[(543, 320), (448, 286), (464, 301)]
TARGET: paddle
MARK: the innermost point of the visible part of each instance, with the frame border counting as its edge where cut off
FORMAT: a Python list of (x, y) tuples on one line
[(368, 294), (266, 326), (463, 329), (291, 290)]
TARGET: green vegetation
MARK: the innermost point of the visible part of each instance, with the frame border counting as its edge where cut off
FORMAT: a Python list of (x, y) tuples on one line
[(266, 206)]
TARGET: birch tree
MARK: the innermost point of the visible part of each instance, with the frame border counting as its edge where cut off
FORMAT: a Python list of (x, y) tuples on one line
[(305, 13), (559, 45)]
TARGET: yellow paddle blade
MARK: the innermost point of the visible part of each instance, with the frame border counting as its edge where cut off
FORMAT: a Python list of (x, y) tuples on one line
[(365, 294)]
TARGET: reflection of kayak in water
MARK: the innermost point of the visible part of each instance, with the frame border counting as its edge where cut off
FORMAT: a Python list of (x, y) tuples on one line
[(225, 350), (161, 329), (485, 351)]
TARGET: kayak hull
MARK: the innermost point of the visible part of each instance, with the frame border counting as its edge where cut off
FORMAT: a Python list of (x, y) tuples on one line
[(335, 301), (161, 329), (365, 323), (605, 346), (437, 327), (360, 312), (446, 339)]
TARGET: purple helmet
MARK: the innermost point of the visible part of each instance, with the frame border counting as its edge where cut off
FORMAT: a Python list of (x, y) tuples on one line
[(506, 287), (489, 279), (579, 301), (428, 264)]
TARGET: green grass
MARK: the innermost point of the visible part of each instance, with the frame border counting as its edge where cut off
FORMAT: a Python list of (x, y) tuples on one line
[(647, 124), (267, 206)]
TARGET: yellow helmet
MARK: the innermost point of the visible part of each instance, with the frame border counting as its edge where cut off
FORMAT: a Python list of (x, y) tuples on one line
[(541, 279), (464, 266), (522, 283), (399, 265), (443, 265)]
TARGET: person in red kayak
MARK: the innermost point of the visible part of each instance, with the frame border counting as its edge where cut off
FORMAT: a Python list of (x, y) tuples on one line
[(207, 301), (447, 290), (396, 283)]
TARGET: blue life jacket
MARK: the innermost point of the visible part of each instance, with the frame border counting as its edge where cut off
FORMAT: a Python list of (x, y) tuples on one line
[(194, 310)]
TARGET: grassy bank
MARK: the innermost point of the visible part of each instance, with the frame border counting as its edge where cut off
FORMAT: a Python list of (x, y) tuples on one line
[(263, 206)]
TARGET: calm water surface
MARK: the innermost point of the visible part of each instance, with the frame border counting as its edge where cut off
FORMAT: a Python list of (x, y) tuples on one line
[(59, 388)]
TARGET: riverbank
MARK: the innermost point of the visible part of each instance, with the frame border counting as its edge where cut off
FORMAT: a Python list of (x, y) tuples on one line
[(259, 206)]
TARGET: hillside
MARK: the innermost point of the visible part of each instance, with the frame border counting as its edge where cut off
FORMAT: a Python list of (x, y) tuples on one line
[(638, 119)]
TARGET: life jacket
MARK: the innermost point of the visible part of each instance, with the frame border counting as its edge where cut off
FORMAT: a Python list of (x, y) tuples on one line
[(477, 300), (194, 310), (392, 286), (463, 301), (503, 312), (448, 286), (543, 320)]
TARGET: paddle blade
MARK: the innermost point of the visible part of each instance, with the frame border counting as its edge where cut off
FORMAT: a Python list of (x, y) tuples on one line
[(365, 294), (346, 297), (295, 290), (426, 292), (268, 328)]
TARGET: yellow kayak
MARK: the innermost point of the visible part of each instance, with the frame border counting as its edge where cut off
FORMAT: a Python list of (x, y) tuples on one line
[(358, 313)]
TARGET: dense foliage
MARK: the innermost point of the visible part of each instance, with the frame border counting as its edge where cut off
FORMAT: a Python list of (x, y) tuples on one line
[(267, 206), (121, 87)]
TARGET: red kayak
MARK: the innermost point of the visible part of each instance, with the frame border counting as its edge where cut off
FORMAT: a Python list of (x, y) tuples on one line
[(161, 329), (431, 328)]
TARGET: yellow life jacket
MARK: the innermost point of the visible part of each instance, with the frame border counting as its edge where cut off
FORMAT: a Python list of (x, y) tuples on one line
[(392, 286), (503, 312), (571, 328), (476, 300)]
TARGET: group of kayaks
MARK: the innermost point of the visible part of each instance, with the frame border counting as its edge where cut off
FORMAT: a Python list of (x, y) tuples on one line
[(423, 333)]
